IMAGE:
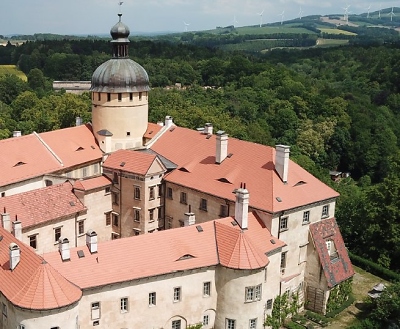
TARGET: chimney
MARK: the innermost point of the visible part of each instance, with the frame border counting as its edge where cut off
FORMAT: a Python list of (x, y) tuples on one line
[(168, 121), (91, 241), (63, 248), (190, 218), (160, 123), (78, 121), (17, 229), (222, 146), (208, 129), (17, 133), (282, 161), (5, 217), (242, 206), (15, 255)]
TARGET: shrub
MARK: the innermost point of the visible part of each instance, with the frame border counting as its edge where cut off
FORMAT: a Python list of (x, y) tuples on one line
[(293, 325), (345, 305)]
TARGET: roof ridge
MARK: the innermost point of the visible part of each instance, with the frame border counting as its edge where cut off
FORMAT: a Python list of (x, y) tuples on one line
[(48, 148)]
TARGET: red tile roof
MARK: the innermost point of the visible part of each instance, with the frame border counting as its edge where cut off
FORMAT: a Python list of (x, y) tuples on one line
[(130, 161), (92, 183), (74, 146), (250, 163), (33, 284), (169, 251), (337, 269), (152, 130), (42, 205)]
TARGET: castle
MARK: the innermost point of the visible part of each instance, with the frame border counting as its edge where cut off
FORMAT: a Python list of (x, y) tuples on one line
[(122, 223)]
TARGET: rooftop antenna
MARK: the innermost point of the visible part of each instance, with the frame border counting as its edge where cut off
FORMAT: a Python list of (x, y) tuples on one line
[(369, 7), (282, 16), (300, 13), (391, 14), (186, 26), (261, 15)]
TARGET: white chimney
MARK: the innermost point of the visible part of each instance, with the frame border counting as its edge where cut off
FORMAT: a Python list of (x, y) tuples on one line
[(17, 133), (168, 121), (17, 229), (222, 146), (63, 248), (208, 129), (5, 217), (282, 161), (242, 207), (91, 241), (160, 123), (190, 218), (15, 255), (78, 121)]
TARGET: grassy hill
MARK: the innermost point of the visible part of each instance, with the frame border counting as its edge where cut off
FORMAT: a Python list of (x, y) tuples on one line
[(12, 69)]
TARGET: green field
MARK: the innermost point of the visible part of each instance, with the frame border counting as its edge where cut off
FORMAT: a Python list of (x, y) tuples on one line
[(12, 69), (331, 42), (335, 31), (271, 30)]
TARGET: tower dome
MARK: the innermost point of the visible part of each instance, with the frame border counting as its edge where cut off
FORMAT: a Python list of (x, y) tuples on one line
[(120, 73)]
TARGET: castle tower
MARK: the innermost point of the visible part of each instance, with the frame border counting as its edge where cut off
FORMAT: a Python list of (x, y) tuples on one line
[(119, 89)]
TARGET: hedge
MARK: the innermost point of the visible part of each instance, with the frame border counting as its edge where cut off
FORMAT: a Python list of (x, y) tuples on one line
[(374, 268)]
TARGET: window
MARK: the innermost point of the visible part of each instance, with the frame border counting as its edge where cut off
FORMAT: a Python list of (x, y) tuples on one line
[(131, 96), (124, 304), (119, 97), (81, 227), (206, 289), (160, 213), (325, 211), (176, 324), (33, 241), (57, 234), (206, 320), (48, 182), (21, 326), (5, 310), (115, 178), (253, 324), (303, 254), (151, 193), (183, 198), (108, 218), (115, 220), (330, 246), (177, 294), (115, 198), (283, 224), (96, 168), (136, 193), (169, 193), (3, 194), (95, 310), (84, 172), (306, 217), (203, 204), (269, 304), (107, 190), (152, 299), (136, 232), (136, 215), (283, 262), (108, 97), (160, 191), (223, 212), (253, 293), (230, 324), (99, 97), (140, 96), (151, 215)]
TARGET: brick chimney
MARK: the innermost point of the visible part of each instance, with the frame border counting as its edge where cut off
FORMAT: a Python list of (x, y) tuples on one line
[(222, 146), (282, 161), (91, 241), (15, 255), (242, 206), (17, 229), (5, 218), (190, 218), (208, 129), (63, 248)]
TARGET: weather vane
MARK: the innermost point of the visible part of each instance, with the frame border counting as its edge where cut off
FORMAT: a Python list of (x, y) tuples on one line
[(120, 4)]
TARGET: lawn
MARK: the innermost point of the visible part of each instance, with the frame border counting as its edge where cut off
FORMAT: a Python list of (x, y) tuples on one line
[(12, 69), (362, 283)]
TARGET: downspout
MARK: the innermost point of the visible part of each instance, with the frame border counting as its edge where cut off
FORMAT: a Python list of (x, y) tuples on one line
[(120, 204)]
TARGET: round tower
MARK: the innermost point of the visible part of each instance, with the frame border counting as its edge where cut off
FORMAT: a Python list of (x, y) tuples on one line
[(119, 89)]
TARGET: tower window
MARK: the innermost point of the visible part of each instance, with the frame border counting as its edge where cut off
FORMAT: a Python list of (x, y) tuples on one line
[(140, 96), (131, 97), (99, 97), (108, 97), (119, 97), (128, 133)]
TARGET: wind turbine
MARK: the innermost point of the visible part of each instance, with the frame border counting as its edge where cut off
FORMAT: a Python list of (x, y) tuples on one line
[(300, 13), (346, 13), (380, 8), (261, 15), (369, 7), (186, 26), (391, 14), (234, 21), (282, 16)]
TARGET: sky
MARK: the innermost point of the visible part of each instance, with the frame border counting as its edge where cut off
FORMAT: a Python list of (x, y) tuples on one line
[(82, 17)]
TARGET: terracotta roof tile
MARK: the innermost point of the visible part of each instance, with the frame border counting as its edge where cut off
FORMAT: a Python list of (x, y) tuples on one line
[(250, 163), (338, 269), (33, 284), (152, 130), (92, 183), (42, 205), (130, 161)]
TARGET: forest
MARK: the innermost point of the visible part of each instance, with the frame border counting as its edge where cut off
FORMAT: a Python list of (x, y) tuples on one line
[(338, 108)]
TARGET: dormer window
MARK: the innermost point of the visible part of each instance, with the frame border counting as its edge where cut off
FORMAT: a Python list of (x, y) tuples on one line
[(330, 246), (325, 211)]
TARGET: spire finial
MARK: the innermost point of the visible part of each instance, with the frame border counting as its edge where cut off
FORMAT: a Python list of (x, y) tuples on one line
[(120, 12)]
